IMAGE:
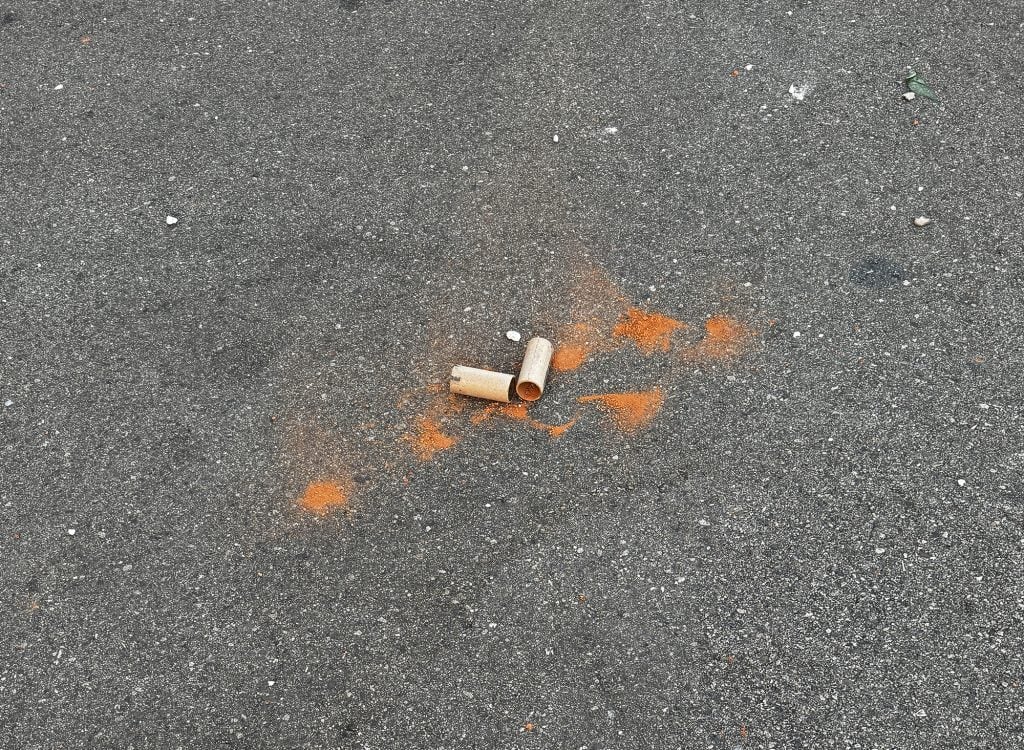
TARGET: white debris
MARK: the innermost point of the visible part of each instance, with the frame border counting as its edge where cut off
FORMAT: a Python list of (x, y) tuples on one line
[(796, 334), (983, 406), (59, 87), (748, 67), (910, 96), (555, 138), (8, 402), (171, 220), (922, 221), (513, 335), (71, 532), (611, 130), (800, 91), (920, 713), (962, 482)]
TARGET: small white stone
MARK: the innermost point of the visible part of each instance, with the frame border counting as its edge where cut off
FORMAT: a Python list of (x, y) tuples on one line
[(796, 334), (513, 335), (270, 683), (922, 221), (748, 67), (920, 713), (71, 532), (8, 402), (910, 96), (982, 406), (59, 87), (611, 130), (555, 138), (798, 92), (962, 482), (171, 220)]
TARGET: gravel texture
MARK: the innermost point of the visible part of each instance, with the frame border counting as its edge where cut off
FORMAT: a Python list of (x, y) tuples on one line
[(816, 542)]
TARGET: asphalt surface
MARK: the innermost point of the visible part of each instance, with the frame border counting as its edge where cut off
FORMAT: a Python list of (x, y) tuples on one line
[(816, 542)]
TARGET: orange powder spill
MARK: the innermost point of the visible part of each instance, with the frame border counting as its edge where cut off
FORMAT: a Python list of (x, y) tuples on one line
[(555, 431), (323, 497), (724, 338), (569, 357), (649, 330), (429, 439), (514, 411), (629, 411)]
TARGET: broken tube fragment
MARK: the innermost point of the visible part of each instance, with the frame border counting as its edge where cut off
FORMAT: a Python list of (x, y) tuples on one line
[(534, 371), (471, 381)]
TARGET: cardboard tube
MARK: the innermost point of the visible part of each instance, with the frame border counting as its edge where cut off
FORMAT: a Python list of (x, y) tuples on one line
[(534, 371), (470, 381)]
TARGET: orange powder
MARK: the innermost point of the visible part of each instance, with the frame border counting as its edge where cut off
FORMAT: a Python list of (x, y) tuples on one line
[(629, 411), (569, 357), (554, 431), (649, 330), (724, 338), (323, 497), (429, 438), (514, 411)]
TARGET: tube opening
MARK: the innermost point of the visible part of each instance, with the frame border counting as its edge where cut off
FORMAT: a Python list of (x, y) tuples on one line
[(528, 391)]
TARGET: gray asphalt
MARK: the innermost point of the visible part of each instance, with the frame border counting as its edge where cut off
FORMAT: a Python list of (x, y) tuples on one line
[(817, 542)]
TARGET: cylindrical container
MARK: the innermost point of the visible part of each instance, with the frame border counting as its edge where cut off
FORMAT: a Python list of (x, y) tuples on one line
[(470, 381), (534, 371)]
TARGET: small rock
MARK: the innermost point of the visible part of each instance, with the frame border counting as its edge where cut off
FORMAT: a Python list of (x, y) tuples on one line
[(59, 87), (8, 402), (798, 92), (962, 482), (909, 96), (555, 138), (513, 335), (71, 532), (922, 221), (171, 220)]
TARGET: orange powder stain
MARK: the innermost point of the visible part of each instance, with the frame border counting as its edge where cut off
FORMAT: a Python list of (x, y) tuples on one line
[(484, 414), (569, 357), (724, 338), (554, 431), (649, 330), (629, 411), (428, 438), (514, 411), (323, 497)]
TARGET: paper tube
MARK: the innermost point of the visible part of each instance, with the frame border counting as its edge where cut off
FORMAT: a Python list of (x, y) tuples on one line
[(470, 381), (534, 371)]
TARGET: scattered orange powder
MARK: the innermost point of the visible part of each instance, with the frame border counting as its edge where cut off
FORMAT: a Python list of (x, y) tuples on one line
[(514, 411), (724, 338), (323, 497), (649, 330), (484, 414), (569, 357), (629, 411), (554, 430), (429, 438)]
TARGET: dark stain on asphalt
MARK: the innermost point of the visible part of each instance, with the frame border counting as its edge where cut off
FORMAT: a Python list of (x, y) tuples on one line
[(877, 271)]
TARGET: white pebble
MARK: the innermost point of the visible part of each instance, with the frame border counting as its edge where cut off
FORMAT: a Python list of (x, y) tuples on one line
[(171, 220), (910, 96), (796, 334), (59, 87), (513, 335), (798, 92), (748, 67), (922, 221), (555, 138), (962, 482), (8, 402), (71, 532)]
